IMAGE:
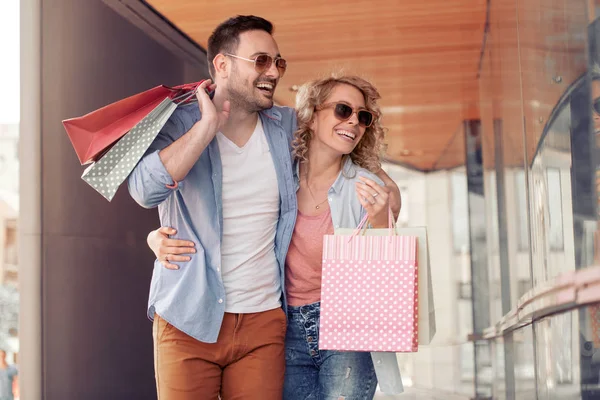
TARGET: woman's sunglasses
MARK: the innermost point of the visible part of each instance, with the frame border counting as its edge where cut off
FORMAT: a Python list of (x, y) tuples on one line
[(596, 105), (344, 112), (263, 62)]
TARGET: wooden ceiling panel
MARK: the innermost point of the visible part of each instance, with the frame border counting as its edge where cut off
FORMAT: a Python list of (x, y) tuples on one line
[(422, 56)]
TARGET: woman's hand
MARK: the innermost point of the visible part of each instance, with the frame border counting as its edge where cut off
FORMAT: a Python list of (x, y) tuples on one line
[(394, 193), (166, 249), (375, 200)]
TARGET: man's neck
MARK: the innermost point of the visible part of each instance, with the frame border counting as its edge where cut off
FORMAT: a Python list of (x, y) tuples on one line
[(240, 125)]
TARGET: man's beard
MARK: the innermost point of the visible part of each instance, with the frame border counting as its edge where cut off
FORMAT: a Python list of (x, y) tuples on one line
[(242, 96)]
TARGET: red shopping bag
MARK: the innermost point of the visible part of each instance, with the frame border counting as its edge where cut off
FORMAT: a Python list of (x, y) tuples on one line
[(95, 132), (369, 292)]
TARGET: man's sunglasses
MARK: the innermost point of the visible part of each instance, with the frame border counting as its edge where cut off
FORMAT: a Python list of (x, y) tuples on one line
[(344, 112), (263, 62)]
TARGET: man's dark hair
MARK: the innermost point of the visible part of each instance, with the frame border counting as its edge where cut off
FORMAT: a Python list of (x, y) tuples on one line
[(226, 37)]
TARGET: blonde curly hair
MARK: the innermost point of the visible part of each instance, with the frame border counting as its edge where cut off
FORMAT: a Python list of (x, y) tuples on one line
[(312, 94)]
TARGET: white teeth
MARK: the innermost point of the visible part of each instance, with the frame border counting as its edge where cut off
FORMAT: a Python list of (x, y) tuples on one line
[(346, 133), (265, 86)]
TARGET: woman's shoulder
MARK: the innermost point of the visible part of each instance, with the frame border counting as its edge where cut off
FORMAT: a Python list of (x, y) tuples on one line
[(353, 172)]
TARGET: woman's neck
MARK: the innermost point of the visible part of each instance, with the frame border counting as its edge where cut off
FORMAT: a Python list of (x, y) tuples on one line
[(321, 166)]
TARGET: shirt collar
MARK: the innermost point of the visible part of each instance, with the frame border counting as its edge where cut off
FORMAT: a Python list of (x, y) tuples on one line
[(272, 113), (348, 171)]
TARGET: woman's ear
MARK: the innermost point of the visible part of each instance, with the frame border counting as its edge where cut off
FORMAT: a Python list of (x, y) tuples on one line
[(313, 122)]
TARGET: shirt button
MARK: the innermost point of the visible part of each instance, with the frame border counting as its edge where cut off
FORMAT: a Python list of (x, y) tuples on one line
[(329, 198), (218, 269), (313, 353), (220, 301), (309, 339)]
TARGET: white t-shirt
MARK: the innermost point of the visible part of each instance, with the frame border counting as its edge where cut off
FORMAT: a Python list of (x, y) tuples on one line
[(250, 214)]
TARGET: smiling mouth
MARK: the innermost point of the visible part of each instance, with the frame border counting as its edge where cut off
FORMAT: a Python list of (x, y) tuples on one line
[(346, 134), (266, 87)]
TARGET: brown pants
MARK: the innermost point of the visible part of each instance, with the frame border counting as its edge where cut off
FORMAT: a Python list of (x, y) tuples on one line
[(247, 362)]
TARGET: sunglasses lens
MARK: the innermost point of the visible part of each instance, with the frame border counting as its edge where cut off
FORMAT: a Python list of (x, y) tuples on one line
[(365, 118), (596, 105), (342, 111), (281, 65), (263, 62)]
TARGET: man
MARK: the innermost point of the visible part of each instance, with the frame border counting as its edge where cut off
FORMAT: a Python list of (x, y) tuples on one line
[(221, 173), (8, 378)]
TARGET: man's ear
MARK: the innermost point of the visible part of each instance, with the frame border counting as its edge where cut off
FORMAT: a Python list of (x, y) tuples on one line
[(221, 65)]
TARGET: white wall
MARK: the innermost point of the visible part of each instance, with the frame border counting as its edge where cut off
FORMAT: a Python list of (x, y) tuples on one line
[(9, 162)]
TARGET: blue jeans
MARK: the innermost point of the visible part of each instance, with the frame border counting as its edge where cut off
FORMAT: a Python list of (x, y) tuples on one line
[(313, 374)]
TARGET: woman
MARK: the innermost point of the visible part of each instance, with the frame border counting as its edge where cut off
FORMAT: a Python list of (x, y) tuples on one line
[(337, 147)]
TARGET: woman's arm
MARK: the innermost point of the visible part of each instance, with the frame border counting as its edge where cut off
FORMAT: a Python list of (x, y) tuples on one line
[(167, 250)]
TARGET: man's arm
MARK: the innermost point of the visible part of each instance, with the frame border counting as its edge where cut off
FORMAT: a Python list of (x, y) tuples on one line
[(174, 153), (394, 194), (150, 183), (180, 157), (170, 158)]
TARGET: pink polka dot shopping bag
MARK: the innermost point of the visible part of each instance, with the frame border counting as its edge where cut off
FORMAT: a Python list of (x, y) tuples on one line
[(376, 292)]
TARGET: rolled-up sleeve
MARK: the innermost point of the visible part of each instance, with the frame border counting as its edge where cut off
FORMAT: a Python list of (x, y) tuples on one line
[(150, 183)]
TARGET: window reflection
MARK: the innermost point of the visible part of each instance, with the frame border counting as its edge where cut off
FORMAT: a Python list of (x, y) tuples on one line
[(555, 209), (521, 200)]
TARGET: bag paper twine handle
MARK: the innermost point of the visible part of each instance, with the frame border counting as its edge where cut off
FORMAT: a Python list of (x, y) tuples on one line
[(362, 227)]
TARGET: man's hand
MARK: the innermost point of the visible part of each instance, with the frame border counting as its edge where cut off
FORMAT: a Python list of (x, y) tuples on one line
[(212, 117), (181, 155)]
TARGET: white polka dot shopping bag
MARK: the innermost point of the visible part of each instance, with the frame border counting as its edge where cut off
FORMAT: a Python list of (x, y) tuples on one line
[(114, 138), (371, 290)]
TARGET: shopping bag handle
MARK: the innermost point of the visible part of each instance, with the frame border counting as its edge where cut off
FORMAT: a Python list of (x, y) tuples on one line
[(362, 227), (185, 97), (182, 89)]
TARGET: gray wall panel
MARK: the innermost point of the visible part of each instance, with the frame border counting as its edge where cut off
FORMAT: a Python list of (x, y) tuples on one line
[(96, 269)]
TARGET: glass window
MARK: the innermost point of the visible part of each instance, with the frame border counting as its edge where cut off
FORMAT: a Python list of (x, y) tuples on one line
[(521, 200), (9, 179), (555, 209), (460, 212)]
